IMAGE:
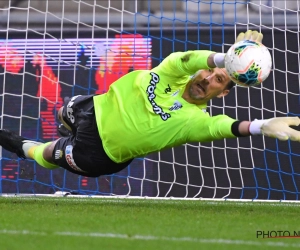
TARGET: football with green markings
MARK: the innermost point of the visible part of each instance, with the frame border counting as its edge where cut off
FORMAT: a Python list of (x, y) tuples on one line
[(248, 63)]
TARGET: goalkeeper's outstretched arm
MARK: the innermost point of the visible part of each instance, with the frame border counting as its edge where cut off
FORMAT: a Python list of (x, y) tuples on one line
[(275, 127)]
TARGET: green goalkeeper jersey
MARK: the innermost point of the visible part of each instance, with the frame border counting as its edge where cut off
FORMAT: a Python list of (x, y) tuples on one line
[(144, 110)]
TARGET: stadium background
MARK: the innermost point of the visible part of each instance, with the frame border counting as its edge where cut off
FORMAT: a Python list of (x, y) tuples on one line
[(275, 175)]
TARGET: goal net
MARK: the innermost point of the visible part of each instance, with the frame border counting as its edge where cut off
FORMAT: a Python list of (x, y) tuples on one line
[(53, 50)]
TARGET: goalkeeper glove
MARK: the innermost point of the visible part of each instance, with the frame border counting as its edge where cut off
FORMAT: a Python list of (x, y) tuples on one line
[(276, 128), (254, 36), (219, 58)]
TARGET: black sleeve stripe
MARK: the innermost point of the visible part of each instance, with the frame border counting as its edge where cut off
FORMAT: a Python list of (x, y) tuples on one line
[(235, 129)]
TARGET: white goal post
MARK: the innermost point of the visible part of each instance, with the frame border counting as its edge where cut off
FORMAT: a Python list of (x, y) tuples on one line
[(51, 50)]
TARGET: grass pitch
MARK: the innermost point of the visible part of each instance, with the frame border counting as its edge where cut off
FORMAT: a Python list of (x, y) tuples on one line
[(88, 223)]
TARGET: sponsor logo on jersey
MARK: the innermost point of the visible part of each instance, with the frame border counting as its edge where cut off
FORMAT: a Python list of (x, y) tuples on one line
[(58, 154), (70, 159), (168, 89), (177, 105), (151, 97)]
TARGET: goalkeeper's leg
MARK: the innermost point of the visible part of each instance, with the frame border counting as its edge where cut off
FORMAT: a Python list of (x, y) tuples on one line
[(83, 157), (40, 152), (81, 153)]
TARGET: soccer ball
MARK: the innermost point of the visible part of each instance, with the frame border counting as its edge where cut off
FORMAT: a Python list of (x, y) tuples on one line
[(248, 63)]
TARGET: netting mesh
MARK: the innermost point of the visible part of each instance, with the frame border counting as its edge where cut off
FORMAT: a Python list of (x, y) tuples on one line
[(52, 50)]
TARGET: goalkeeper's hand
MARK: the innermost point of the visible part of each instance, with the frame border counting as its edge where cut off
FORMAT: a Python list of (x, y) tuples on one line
[(219, 58), (277, 128), (254, 36)]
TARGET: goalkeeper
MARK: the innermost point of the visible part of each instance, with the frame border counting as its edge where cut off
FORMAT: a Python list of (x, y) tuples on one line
[(147, 111)]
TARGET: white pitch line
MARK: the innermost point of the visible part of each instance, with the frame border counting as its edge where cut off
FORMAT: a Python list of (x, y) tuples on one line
[(24, 232), (258, 242)]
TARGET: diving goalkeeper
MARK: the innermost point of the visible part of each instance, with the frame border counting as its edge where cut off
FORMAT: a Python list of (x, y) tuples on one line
[(147, 111)]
